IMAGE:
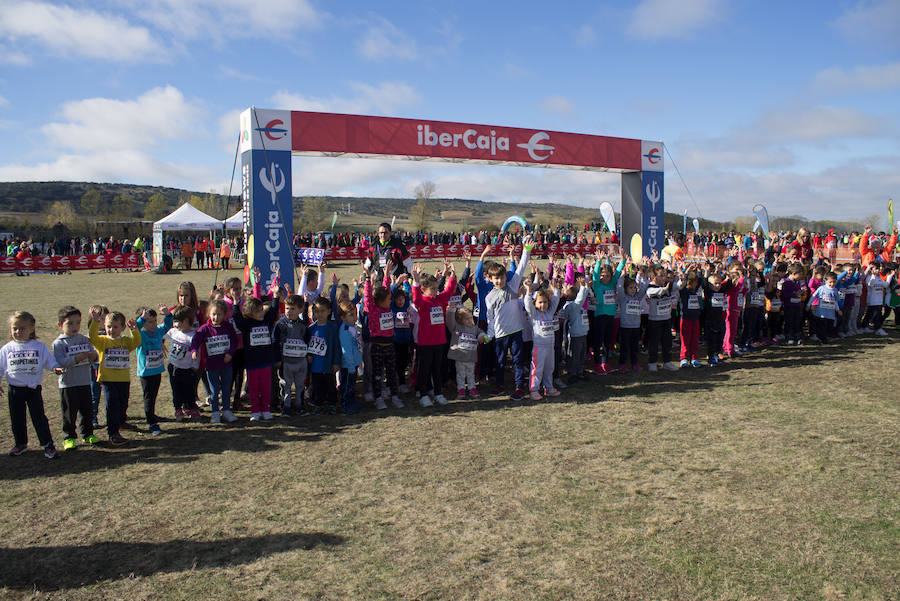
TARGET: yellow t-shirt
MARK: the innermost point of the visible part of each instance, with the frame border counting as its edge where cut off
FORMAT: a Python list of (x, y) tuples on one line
[(115, 353)]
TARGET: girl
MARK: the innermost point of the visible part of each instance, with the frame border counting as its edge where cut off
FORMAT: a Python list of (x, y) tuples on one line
[(604, 286), (377, 305), (541, 309), (464, 339), (256, 322), (23, 360), (432, 332), (629, 296), (216, 340), (351, 359), (402, 333), (691, 306)]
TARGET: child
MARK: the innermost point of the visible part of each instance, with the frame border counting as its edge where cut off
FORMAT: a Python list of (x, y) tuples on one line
[(216, 340), (351, 358), (182, 366), (541, 310), (150, 360), (793, 290), (324, 354), (377, 305), (604, 285), (691, 308), (23, 360), (878, 279), (311, 289), (774, 306), (256, 323), (506, 320), (400, 306), (432, 333), (464, 339), (629, 295), (826, 305), (290, 345), (715, 301), (659, 331), (234, 299), (74, 353), (115, 367), (96, 388), (578, 321)]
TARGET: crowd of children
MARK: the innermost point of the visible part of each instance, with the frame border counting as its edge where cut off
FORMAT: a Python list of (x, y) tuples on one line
[(305, 353)]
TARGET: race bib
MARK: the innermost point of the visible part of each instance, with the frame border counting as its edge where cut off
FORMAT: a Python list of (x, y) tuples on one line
[(633, 307), (317, 346), (827, 303), (663, 308), (77, 349), (544, 328), (179, 350), (775, 304), (693, 302), (585, 320), (401, 319), (437, 316), (609, 297), (386, 322), (382, 261), (795, 300), (24, 362), (740, 301), (468, 342), (293, 347), (217, 345), (717, 300), (757, 299), (117, 358), (260, 336), (154, 359), (476, 312), (590, 305), (454, 301)]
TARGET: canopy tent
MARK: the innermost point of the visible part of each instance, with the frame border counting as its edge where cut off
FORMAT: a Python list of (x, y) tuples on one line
[(236, 221), (186, 217)]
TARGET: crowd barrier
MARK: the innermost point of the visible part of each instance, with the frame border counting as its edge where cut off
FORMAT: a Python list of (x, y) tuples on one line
[(455, 251), (72, 262)]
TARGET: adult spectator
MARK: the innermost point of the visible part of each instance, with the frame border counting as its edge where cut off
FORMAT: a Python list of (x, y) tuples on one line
[(389, 248)]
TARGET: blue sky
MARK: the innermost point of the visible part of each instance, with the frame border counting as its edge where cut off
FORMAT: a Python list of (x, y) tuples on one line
[(793, 105)]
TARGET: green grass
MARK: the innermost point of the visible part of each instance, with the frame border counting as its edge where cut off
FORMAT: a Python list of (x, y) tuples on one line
[(775, 477)]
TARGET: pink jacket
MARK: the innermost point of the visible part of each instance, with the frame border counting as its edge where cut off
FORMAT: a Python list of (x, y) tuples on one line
[(432, 310)]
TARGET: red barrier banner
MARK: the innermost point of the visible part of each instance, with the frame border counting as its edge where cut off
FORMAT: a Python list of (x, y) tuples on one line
[(69, 263), (8, 264), (429, 252)]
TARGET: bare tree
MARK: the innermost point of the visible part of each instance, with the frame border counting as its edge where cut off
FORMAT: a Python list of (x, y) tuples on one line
[(422, 213)]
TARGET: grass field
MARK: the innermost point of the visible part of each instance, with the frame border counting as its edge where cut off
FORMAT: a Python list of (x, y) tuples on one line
[(774, 477)]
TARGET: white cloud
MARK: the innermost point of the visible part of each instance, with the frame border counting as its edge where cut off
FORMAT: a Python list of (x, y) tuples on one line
[(229, 19), (75, 32), (385, 98), (585, 36), (99, 123), (659, 19), (122, 165), (384, 40), (862, 78), (819, 123), (559, 105), (873, 23), (3, 101)]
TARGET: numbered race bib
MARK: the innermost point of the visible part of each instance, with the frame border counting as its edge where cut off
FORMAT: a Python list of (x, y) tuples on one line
[(117, 358), (476, 312), (590, 305), (757, 299), (217, 345), (317, 346), (154, 359), (633, 307), (585, 320), (775, 304), (717, 300), (455, 301), (382, 261), (827, 303), (77, 349), (544, 328), (795, 300), (401, 319), (293, 347), (24, 362), (467, 341), (179, 350), (663, 308), (437, 316), (609, 297), (260, 336), (693, 302), (740, 301), (386, 322)]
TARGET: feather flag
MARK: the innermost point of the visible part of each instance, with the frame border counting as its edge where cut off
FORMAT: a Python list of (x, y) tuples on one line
[(333, 220), (763, 216), (890, 210)]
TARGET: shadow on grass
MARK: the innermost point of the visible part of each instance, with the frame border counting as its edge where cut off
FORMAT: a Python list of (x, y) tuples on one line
[(72, 566)]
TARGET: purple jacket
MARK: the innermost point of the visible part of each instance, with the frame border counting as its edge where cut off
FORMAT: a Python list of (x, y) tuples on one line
[(215, 343)]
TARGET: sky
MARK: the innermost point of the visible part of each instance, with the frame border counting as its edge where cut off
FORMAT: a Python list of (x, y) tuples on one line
[(794, 105)]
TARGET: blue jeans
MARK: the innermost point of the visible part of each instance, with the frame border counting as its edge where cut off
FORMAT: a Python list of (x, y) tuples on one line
[(116, 403), (513, 342), (96, 390), (349, 403), (219, 384)]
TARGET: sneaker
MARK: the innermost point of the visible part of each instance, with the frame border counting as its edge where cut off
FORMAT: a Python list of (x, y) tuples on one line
[(814, 338), (17, 450), (286, 412), (670, 366), (215, 418), (267, 415), (380, 404), (425, 401), (553, 392), (396, 402), (50, 452), (179, 415), (604, 368), (404, 389), (558, 383), (127, 426), (517, 395), (155, 430), (685, 363), (713, 362), (116, 440), (696, 363), (461, 393), (652, 367), (195, 414), (598, 368), (536, 396), (497, 391), (228, 416), (255, 417), (791, 342), (95, 423), (842, 334), (473, 393), (91, 439), (881, 332), (723, 357), (440, 399), (867, 330), (69, 444)]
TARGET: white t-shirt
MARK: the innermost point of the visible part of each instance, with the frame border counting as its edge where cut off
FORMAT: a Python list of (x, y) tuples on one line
[(180, 350), (24, 363)]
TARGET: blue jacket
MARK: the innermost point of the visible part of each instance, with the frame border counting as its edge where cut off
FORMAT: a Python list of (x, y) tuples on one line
[(351, 355), (151, 344), (322, 364)]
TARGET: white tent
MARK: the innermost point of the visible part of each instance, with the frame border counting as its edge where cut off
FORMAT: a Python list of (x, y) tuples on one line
[(185, 218), (236, 221)]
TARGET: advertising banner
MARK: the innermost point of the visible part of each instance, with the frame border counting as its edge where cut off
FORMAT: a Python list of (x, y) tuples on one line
[(652, 212), (310, 256), (71, 262)]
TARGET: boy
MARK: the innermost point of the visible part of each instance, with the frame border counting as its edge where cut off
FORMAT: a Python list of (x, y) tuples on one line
[(324, 357), (115, 366), (74, 353), (150, 360), (290, 346), (182, 367)]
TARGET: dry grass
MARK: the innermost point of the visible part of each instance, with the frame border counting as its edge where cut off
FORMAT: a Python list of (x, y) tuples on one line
[(775, 477)]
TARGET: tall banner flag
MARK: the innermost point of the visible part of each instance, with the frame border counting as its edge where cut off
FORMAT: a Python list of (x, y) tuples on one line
[(333, 220), (652, 202), (891, 211), (394, 218), (696, 225), (762, 215), (609, 216)]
